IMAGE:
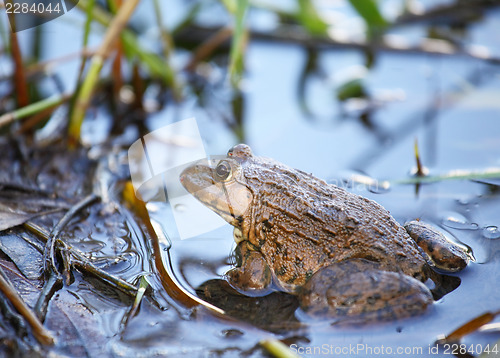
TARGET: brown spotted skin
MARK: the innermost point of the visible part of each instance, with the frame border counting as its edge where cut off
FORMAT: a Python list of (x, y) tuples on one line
[(299, 224), (331, 293), (440, 253)]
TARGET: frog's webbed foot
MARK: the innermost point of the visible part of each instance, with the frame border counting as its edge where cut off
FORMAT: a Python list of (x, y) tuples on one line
[(357, 290), (252, 276), (440, 253)]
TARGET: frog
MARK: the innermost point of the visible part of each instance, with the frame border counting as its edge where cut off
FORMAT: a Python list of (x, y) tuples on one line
[(342, 255)]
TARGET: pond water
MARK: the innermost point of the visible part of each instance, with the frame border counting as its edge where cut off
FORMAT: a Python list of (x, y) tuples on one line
[(450, 104)]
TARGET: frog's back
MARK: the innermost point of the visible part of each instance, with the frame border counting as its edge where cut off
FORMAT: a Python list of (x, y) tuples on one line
[(301, 224)]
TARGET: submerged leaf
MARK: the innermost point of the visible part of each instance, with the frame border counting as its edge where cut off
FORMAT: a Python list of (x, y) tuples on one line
[(10, 218), (26, 257), (78, 332)]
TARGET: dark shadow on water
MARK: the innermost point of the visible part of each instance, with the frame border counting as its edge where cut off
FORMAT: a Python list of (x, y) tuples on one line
[(274, 312)]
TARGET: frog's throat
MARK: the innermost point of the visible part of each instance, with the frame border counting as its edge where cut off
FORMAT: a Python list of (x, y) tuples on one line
[(238, 235), (227, 215)]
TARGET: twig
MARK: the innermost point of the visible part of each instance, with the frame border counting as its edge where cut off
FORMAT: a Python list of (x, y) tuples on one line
[(88, 267), (446, 13), (143, 285), (208, 47), (82, 264), (468, 327), (45, 66), (49, 257), (53, 284), (41, 334), (296, 35), (116, 62)]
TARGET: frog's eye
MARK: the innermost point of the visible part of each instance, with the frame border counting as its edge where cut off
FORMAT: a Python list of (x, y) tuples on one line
[(222, 171)]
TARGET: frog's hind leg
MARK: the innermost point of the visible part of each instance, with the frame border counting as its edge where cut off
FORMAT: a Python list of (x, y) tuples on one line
[(440, 253), (356, 290)]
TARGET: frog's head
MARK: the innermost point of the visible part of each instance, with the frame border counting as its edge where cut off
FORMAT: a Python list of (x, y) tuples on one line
[(220, 184)]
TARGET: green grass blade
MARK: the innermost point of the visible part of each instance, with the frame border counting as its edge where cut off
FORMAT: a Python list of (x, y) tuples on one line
[(85, 94), (277, 348), (156, 66), (239, 43), (310, 19), (369, 11), (458, 174), (32, 109)]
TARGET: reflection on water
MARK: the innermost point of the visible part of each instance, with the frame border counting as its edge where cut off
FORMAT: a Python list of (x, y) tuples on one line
[(449, 103)]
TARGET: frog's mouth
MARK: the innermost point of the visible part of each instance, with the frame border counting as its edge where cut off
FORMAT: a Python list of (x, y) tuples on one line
[(230, 199)]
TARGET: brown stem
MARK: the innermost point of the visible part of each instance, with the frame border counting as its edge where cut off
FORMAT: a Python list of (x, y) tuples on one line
[(41, 334), (19, 73), (208, 47)]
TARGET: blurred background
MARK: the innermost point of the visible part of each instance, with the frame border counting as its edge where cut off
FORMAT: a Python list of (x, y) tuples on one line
[(346, 90)]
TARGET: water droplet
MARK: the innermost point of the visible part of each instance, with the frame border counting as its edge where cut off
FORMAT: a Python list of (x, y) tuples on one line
[(457, 221), (463, 201), (180, 208), (491, 232)]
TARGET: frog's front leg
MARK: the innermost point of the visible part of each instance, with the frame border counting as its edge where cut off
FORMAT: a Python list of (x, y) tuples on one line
[(357, 290), (439, 251), (252, 276)]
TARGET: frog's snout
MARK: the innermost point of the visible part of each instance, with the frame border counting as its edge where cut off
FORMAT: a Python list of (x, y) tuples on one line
[(183, 176)]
